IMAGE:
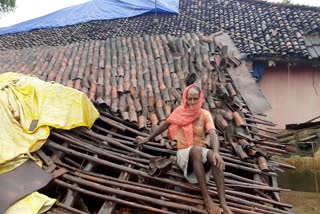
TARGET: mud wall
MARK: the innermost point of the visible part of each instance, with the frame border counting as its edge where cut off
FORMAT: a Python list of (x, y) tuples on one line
[(293, 92)]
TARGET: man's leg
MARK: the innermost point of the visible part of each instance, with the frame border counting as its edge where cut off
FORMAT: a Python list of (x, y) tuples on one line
[(195, 161), (218, 177)]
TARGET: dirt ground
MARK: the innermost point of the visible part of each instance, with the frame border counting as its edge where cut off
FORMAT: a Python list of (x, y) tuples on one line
[(303, 202)]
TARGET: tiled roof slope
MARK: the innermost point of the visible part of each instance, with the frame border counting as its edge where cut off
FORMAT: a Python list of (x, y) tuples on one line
[(259, 28), (138, 77)]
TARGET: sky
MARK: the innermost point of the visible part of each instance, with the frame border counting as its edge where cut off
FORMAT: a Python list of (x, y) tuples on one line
[(29, 9)]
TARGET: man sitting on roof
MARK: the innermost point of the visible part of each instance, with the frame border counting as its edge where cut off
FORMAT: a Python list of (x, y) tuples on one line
[(188, 125)]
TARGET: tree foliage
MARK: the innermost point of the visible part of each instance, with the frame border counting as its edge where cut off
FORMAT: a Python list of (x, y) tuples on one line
[(7, 5), (286, 1)]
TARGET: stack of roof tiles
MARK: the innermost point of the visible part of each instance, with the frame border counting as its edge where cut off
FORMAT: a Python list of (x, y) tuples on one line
[(258, 28)]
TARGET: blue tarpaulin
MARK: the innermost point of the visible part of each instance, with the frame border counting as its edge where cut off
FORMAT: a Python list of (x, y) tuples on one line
[(94, 10), (258, 70)]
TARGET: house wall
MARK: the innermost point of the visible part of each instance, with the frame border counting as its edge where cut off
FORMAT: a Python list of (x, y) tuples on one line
[(294, 93)]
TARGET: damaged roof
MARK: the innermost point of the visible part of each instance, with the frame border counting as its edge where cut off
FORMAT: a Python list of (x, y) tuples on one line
[(258, 28), (141, 79), (133, 75)]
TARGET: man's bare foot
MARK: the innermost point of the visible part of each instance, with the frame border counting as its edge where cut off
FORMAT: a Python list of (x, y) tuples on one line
[(212, 208), (226, 209)]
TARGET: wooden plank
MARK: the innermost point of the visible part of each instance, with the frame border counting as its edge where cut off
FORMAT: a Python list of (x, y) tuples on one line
[(248, 88)]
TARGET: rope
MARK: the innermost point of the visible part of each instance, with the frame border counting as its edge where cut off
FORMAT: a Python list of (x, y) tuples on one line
[(124, 22), (314, 169), (313, 82), (155, 8)]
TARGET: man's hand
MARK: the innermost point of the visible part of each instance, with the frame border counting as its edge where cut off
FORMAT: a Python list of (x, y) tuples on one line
[(141, 140), (218, 161)]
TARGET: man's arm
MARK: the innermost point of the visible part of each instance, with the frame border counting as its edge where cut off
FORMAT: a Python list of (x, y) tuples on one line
[(156, 132), (215, 145), (214, 141)]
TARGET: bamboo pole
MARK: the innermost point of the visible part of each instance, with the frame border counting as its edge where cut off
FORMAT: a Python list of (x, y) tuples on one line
[(106, 197)]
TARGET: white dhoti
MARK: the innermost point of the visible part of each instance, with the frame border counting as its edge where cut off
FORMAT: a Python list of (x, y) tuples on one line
[(183, 160)]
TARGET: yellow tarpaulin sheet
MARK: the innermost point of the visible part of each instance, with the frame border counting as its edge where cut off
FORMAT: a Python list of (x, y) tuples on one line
[(28, 108), (33, 203)]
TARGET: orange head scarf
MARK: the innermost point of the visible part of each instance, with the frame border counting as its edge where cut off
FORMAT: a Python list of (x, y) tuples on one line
[(183, 116)]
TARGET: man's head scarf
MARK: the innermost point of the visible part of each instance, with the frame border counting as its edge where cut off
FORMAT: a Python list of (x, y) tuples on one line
[(183, 116)]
